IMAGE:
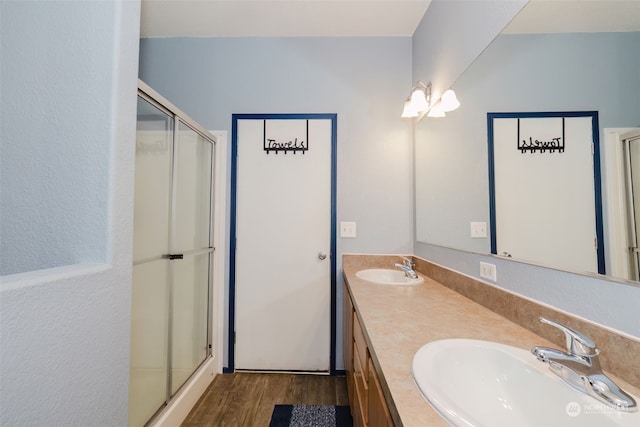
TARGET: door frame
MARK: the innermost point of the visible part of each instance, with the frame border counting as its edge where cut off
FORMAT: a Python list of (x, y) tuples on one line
[(597, 186), (616, 201), (333, 117)]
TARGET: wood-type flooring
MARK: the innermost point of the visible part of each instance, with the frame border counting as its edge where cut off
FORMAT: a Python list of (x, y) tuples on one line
[(247, 399)]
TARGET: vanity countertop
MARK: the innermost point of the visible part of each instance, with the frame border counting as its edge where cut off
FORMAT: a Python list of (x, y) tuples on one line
[(398, 320)]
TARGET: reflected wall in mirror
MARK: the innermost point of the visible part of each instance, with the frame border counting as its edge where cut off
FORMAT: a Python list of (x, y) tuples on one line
[(551, 70)]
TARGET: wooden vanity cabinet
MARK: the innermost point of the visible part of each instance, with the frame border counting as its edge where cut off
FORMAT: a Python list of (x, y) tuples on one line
[(347, 343), (379, 415), (368, 405)]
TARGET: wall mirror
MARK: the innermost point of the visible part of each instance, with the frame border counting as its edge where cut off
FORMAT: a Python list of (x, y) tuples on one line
[(554, 56)]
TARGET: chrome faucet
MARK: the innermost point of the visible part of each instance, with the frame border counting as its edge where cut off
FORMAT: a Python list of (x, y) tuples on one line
[(579, 367), (407, 266)]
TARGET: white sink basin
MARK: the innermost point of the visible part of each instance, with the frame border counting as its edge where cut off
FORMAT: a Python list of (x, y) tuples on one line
[(474, 383), (383, 276)]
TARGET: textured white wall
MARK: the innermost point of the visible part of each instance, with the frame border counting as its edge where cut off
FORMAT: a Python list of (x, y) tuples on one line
[(54, 134), (69, 76)]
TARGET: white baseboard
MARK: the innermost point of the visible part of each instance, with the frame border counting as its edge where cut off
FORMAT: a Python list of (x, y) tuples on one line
[(182, 403)]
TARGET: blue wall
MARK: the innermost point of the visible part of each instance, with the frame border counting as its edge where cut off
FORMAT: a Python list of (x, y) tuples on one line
[(364, 80)]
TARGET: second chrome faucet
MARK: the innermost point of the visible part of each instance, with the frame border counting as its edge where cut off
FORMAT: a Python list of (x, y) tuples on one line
[(579, 366), (407, 266)]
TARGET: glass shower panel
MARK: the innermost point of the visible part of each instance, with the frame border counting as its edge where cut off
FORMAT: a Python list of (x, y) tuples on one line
[(193, 191), (189, 317), (151, 279), (191, 236), (154, 138), (149, 333)]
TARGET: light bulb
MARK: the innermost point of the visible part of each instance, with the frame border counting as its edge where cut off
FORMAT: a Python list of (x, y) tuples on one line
[(436, 111), (408, 110), (419, 100), (449, 101)]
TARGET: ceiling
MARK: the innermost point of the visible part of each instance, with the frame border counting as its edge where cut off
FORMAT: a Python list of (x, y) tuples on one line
[(576, 16), (280, 18), (332, 18)]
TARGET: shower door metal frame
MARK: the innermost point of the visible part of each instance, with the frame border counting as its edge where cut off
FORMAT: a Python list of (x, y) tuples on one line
[(146, 93)]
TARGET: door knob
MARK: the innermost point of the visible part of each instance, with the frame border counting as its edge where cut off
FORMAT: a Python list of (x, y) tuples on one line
[(321, 256)]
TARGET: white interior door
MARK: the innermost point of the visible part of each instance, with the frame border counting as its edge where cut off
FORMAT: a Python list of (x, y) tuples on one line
[(545, 200), (283, 241)]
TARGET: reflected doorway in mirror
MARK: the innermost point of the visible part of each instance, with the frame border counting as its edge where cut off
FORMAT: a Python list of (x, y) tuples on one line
[(545, 199)]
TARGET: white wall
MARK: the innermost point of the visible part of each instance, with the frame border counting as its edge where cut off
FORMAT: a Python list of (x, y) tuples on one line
[(69, 76), (363, 80)]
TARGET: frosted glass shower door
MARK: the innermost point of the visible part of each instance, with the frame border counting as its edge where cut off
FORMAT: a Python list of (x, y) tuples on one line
[(191, 237), (172, 256), (151, 270)]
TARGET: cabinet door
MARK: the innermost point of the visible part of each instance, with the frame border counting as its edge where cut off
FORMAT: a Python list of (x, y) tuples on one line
[(379, 415), (347, 342)]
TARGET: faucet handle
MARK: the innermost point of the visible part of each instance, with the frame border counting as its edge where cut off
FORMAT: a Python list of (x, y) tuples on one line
[(408, 262), (577, 343)]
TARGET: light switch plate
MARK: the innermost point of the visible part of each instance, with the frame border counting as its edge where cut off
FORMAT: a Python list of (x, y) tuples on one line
[(478, 230), (347, 229)]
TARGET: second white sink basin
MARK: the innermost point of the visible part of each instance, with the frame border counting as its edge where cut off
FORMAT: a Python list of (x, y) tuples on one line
[(384, 276), (475, 383)]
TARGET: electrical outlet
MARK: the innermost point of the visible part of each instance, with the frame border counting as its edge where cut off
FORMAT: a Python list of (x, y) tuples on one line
[(488, 271), (347, 229)]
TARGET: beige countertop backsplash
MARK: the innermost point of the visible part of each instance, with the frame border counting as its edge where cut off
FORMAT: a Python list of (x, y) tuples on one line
[(398, 320)]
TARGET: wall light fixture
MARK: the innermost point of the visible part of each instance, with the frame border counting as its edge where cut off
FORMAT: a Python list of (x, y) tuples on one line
[(436, 110), (419, 102)]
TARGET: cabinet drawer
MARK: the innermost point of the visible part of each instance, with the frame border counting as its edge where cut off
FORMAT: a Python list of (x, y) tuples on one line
[(351, 390), (360, 344), (361, 385), (356, 412)]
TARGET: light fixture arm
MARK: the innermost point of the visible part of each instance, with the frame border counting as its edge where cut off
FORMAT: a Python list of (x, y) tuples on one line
[(425, 88)]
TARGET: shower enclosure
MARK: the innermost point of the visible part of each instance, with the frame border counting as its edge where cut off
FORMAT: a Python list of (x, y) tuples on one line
[(172, 254)]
